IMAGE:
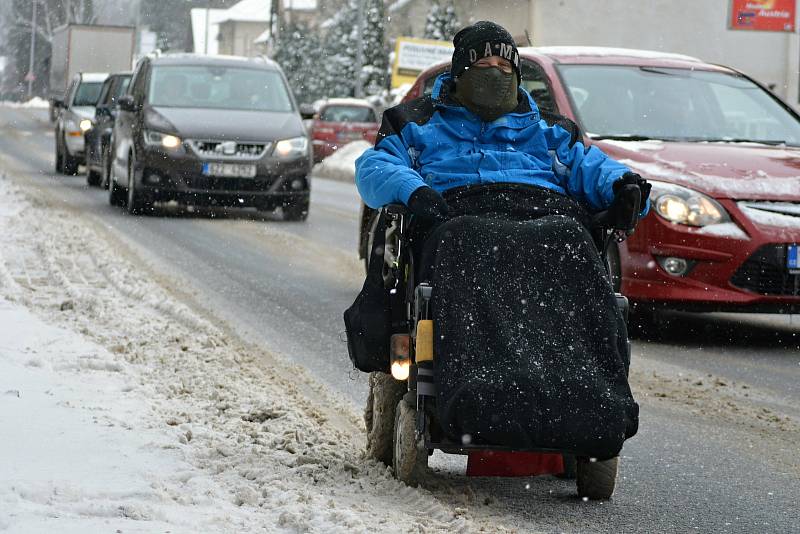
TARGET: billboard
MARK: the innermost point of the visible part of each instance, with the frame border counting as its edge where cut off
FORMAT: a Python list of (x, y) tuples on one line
[(412, 56), (763, 15)]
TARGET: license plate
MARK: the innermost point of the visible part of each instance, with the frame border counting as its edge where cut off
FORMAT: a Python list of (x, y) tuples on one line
[(792, 259), (229, 170)]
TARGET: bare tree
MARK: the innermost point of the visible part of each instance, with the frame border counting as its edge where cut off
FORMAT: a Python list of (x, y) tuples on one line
[(52, 14)]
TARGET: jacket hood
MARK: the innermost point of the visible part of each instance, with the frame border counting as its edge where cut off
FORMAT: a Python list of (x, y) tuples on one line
[(736, 171), (239, 125)]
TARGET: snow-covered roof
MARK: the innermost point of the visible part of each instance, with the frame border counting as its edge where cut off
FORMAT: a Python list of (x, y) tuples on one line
[(398, 4), (258, 10), (94, 76), (601, 51), (248, 11), (300, 5), (263, 37), (198, 17)]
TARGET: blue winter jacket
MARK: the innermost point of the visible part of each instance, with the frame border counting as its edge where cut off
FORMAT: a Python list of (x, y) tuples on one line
[(436, 142)]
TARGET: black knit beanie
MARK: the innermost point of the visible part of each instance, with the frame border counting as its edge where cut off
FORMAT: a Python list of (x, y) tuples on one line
[(483, 39)]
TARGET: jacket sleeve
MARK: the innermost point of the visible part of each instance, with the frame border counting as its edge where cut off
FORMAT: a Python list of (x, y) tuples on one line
[(385, 173), (588, 175)]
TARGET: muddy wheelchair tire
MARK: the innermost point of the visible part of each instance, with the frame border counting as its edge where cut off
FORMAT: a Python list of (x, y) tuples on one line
[(379, 416), (410, 460)]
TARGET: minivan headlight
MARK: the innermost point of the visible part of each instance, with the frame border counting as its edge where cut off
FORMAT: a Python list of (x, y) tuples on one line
[(86, 125), (682, 205), (290, 148), (153, 138)]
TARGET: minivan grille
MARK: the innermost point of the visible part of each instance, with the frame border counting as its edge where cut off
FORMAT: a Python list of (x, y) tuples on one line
[(228, 149), (765, 273)]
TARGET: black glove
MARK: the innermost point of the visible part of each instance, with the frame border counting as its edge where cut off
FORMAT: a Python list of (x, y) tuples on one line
[(624, 211), (427, 204), (631, 178)]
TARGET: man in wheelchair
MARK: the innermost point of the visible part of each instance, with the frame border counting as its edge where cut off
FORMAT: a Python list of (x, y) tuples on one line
[(503, 214)]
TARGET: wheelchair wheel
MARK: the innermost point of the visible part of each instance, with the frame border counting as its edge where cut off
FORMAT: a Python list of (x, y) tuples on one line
[(410, 459), (390, 250), (379, 416), (596, 480)]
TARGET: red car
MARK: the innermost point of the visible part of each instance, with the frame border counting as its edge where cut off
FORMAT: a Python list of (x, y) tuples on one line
[(722, 153), (340, 121)]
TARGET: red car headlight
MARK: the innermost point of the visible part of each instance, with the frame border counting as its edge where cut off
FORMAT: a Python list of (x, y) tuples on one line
[(681, 205)]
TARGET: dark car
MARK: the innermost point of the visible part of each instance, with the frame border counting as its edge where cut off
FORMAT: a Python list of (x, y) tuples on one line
[(218, 131), (97, 138), (721, 152)]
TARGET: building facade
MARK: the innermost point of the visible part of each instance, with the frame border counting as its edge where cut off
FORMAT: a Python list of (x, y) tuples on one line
[(691, 27), (237, 38), (407, 17)]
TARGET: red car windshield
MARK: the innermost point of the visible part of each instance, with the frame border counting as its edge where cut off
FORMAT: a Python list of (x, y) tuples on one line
[(676, 104), (347, 114)]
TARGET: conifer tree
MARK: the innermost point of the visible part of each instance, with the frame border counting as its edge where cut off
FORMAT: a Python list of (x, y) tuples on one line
[(338, 52), (374, 46), (297, 51), (341, 48), (442, 22)]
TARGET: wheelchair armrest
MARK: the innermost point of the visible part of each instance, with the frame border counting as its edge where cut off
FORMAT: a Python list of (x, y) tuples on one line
[(396, 209)]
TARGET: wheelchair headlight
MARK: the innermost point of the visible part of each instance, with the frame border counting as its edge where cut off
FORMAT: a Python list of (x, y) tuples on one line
[(291, 148), (681, 205), (400, 358)]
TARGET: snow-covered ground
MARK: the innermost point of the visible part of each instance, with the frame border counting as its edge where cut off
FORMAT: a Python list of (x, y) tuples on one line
[(125, 410), (341, 165), (35, 102)]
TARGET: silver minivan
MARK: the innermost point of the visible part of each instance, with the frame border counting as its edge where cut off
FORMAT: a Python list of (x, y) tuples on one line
[(75, 115)]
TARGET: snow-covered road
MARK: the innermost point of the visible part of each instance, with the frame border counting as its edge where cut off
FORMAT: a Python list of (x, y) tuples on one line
[(264, 434)]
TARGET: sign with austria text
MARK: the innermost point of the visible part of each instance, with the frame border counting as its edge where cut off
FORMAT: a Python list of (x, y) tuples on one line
[(412, 56), (763, 15)]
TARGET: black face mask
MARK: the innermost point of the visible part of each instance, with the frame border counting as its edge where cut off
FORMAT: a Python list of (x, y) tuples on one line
[(488, 92)]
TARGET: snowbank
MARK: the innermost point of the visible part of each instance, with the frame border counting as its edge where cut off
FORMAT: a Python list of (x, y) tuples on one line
[(34, 102), (125, 410), (341, 165), (81, 458)]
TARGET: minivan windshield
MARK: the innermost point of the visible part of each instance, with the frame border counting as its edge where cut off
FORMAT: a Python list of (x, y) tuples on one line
[(87, 94), (217, 87), (676, 104)]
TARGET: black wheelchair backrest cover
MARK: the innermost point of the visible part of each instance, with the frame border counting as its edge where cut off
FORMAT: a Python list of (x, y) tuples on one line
[(530, 347)]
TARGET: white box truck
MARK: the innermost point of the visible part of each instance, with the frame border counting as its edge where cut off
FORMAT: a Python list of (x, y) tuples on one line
[(87, 48)]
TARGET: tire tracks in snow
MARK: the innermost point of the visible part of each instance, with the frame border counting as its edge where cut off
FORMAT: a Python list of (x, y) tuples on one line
[(234, 411)]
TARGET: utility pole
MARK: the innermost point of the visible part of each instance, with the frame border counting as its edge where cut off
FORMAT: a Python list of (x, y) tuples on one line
[(274, 21), (33, 49), (359, 88), (138, 30), (208, 23)]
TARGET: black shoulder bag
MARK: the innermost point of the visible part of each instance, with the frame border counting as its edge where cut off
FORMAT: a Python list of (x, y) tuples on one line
[(368, 321)]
